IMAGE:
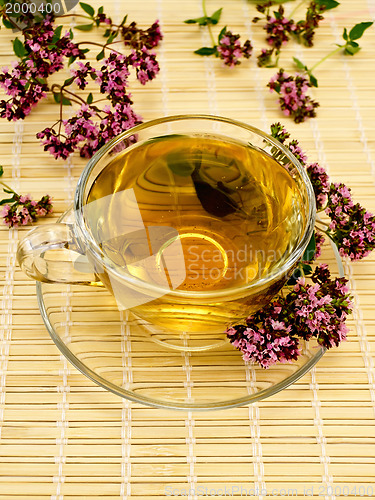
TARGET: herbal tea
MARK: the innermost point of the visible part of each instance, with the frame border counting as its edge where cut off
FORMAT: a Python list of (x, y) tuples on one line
[(236, 212)]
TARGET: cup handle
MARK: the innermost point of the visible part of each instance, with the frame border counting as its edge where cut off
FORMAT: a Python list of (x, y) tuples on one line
[(51, 254)]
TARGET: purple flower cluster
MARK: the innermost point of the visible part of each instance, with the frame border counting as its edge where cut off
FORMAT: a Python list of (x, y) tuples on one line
[(44, 52), (295, 148), (145, 63), (25, 210), (81, 72), (320, 182), (117, 120), (279, 28), (266, 344), (319, 240), (230, 49), (351, 227), (82, 128), (293, 100), (305, 29), (95, 126), (26, 91), (47, 54), (25, 83), (113, 76), (316, 310), (137, 38), (317, 174)]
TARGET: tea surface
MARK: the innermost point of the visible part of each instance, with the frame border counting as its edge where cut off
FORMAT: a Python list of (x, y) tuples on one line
[(236, 212)]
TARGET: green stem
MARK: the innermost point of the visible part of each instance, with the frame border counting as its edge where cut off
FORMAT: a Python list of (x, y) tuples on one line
[(7, 187), (208, 26), (204, 8), (75, 98), (326, 57), (87, 17), (103, 46), (76, 15), (11, 21), (296, 8)]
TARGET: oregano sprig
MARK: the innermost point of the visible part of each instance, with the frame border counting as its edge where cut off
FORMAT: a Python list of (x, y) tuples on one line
[(44, 51), (294, 100), (227, 46), (350, 47), (312, 304), (280, 28), (22, 209)]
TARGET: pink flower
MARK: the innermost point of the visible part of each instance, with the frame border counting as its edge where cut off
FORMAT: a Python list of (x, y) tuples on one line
[(293, 99), (352, 227), (310, 310), (230, 49), (144, 61), (24, 210)]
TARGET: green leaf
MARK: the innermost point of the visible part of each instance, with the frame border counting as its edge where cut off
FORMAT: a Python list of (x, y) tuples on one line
[(1, 170), (112, 36), (297, 273), (100, 55), (350, 49), (299, 64), (19, 49), (214, 19), (65, 101), (179, 166), (124, 20), (307, 269), (85, 27), (84, 51), (71, 60), (345, 34), (101, 10), (90, 98), (71, 36), (202, 21), (358, 30), (9, 191), (87, 8), (69, 81), (313, 80), (7, 23), (222, 33), (327, 4), (7, 200), (310, 250), (57, 35), (205, 51)]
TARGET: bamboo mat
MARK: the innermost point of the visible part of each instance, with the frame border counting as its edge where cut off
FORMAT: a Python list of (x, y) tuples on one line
[(63, 437)]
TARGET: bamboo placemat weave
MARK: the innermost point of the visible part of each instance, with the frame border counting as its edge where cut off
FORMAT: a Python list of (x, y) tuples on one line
[(62, 437)]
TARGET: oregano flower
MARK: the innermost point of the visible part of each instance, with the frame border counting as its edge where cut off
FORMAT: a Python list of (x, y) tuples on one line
[(45, 50)]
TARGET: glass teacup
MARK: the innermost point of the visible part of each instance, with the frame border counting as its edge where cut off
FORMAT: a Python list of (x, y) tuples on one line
[(191, 222)]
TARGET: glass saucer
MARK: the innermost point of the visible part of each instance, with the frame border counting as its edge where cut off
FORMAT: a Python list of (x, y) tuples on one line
[(114, 350)]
